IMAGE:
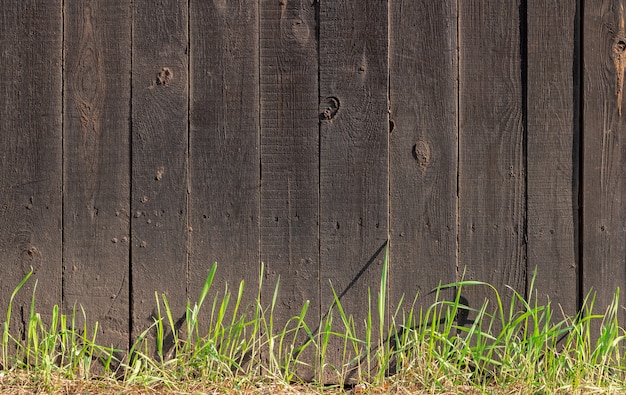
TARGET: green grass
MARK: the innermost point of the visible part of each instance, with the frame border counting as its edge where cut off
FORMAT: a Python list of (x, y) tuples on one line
[(522, 346)]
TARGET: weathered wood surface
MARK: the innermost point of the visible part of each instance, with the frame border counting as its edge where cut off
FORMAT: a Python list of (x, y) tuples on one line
[(492, 207), (224, 145), (354, 154), (604, 150), (289, 105), (423, 148), (96, 162), (31, 37), (160, 229), (161, 138), (552, 153)]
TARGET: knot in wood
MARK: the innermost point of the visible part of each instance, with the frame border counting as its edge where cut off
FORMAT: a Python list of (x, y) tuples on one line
[(31, 258), (299, 30), (165, 76), (329, 108), (619, 46), (421, 153)]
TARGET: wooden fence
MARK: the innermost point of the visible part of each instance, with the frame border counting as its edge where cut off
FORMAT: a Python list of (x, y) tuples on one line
[(144, 140)]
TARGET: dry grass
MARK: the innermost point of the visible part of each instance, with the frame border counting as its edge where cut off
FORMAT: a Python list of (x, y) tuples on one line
[(22, 384), (99, 388)]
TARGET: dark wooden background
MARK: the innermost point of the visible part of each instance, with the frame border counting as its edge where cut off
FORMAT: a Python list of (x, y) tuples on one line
[(143, 140)]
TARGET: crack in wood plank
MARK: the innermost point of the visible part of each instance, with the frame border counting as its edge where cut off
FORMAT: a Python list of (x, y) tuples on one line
[(619, 58)]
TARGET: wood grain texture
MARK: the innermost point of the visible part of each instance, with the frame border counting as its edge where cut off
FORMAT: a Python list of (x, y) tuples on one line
[(423, 147), (604, 151), (159, 154), (353, 157), (97, 164), (553, 151), (290, 159), (491, 148), (31, 37), (300, 134), (224, 145)]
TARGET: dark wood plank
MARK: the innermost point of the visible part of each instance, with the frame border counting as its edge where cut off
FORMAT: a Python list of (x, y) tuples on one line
[(552, 151), (159, 159), (224, 145), (353, 158), (491, 148), (97, 164), (423, 148), (289, 159), (604, 151), (31, 37)]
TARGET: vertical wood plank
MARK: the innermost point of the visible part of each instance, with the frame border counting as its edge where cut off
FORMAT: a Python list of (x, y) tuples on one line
[(31, 37), (97, 164), (604, 150), (289, 159), (491, 148), (552, 151), (159, 158), (353, 156), (423, 147), (224, 144)]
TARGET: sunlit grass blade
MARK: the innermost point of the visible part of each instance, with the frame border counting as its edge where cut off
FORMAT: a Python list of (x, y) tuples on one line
[(7, 322)]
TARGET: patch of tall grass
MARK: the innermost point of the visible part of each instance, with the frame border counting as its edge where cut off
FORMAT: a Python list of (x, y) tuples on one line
[(219, 341)]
